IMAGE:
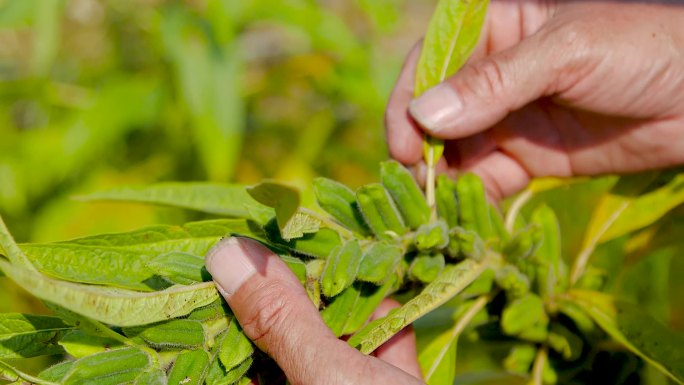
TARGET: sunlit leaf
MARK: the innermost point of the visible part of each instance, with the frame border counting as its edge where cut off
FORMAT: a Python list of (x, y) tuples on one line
[(24, 335), (212, 198), (636, 330), (452, 35)]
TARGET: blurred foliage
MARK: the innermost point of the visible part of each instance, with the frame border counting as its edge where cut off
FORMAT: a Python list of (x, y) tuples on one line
[(96, 94)]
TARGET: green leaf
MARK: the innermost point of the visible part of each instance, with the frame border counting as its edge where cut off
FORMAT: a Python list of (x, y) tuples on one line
[(179, 267), (190, 368), (175, 334), (79, 344), (285, 201), (56, 372), (452, 35), (438, 359), (452, 280), (636, 330), (620, 212), (153, 376), (113, 367), (24, 335), (114, 306), (212, 198), (122, 259)]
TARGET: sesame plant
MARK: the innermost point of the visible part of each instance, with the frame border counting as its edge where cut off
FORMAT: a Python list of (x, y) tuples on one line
[(140, 307)]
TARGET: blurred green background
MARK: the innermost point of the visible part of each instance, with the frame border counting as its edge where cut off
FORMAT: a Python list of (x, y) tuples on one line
[(95, 94)]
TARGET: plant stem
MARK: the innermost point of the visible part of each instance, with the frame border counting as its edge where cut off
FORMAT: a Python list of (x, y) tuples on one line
[(538, 368), (583, 258), (456, 331), (12, 374), (515, 208)]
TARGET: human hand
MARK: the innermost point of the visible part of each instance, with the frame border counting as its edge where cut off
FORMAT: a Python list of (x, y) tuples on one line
[(276, 313), (555, 88)]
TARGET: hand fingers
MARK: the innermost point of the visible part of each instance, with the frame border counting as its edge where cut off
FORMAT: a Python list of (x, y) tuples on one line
[(404, 138), (276, 313), (400, 350), (485, 91)]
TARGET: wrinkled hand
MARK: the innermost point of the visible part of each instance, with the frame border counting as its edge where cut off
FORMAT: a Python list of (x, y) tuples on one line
[(276, 313), (555, 88)]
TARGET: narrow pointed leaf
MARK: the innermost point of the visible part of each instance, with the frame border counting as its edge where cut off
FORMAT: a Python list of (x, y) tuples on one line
[(212, 198), (452, 35), (636, 330)]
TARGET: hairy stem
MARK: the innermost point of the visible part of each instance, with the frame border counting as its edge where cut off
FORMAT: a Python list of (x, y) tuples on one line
[(515, 208), (12, 374)]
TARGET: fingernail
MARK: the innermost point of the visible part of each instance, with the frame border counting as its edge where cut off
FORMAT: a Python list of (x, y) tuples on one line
[(437, 108), (231, 262)]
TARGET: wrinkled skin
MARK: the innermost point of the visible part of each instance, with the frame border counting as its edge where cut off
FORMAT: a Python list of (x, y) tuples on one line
[(555, 89), (566, 88)]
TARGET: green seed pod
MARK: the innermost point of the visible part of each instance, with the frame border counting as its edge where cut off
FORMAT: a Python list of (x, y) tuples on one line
[(79, 344), (498, 227), (447, 200), (234, 346), (565, 342), (468, 244), (522, 314), (113, 367), (515, 283), (175, 334), (180, 268), (379, 262), (350, 310), (190, 368), (297, 266), (520, 359), (318, 245), (340, 202), (341, 268), (579, 317), (426, 267), (213, 311), (523, 244), (552, 272), (218, 375), (379, 211), (432, 236), (406, 193), (474, 208)]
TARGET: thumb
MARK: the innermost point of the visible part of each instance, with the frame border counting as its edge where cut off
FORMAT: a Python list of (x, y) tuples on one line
[(276, 313), (483, 92)]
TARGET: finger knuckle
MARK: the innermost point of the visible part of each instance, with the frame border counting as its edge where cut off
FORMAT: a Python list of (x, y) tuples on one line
[(489, 78), (269, 311)]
